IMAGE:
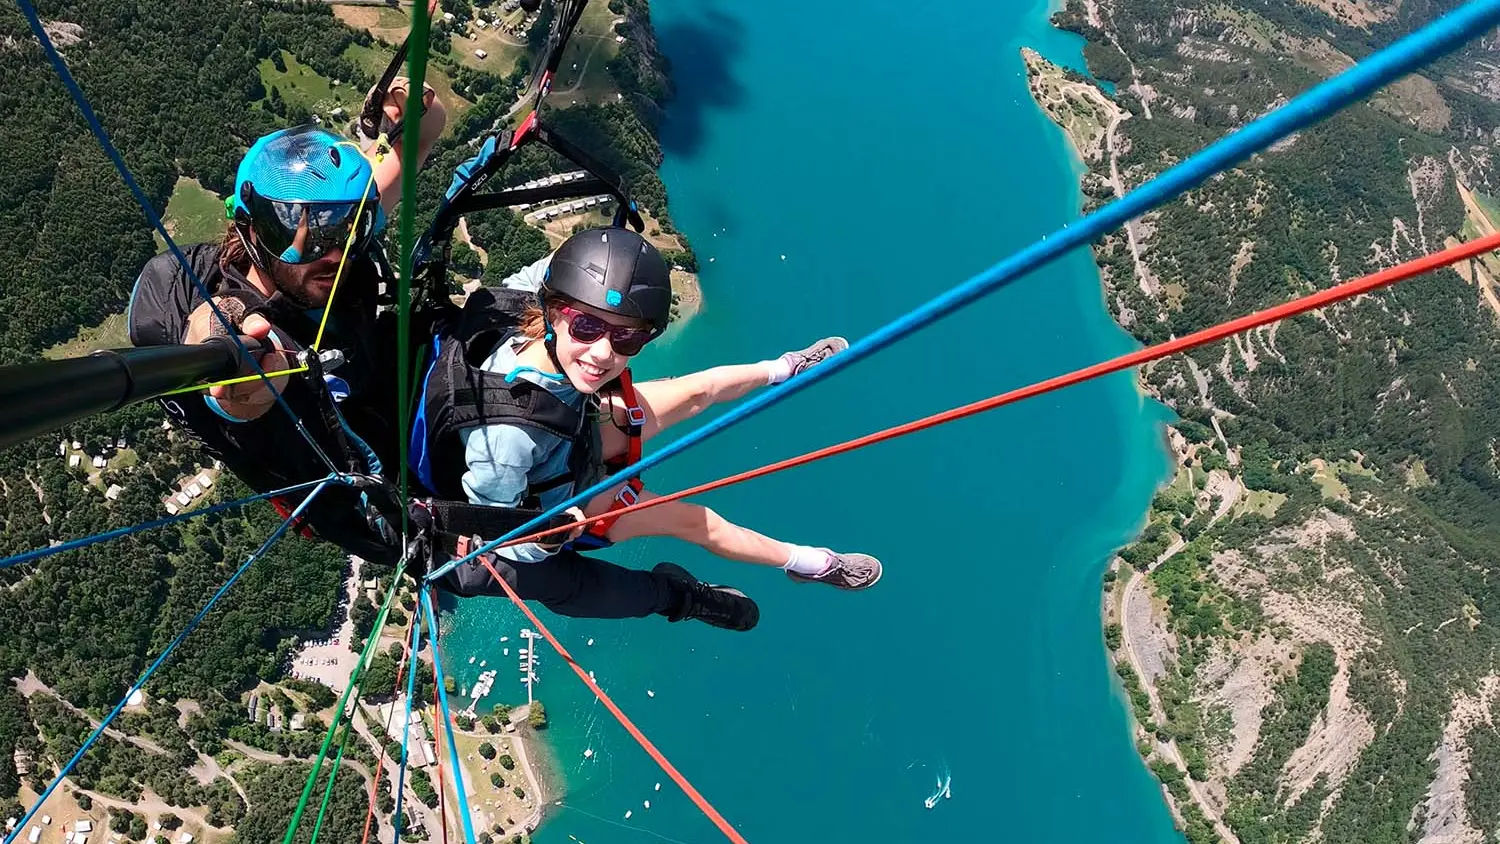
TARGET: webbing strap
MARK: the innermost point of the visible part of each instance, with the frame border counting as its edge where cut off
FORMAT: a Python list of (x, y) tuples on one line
[(630, 493)]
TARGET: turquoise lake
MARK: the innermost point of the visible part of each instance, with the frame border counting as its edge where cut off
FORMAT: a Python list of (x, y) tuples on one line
[(888, 151)]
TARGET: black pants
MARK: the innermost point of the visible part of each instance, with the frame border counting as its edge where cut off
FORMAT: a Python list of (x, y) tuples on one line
[(571, 584)]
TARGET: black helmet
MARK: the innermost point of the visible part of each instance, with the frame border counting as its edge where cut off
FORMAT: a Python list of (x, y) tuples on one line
[(614, 270)]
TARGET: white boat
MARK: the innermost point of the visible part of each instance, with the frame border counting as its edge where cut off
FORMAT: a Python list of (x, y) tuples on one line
[(471, 660)]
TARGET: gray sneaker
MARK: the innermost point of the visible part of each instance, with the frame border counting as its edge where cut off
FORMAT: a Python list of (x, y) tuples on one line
[(849, 571), (815, 354)]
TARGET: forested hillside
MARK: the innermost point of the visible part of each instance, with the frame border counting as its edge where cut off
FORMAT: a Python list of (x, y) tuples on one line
[(1313, 654), (180, 88)]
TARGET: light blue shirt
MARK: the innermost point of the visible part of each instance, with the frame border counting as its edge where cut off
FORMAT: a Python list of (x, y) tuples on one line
[(503, 460)]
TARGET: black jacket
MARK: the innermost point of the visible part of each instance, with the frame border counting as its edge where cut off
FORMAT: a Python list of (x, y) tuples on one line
[(268, 453)]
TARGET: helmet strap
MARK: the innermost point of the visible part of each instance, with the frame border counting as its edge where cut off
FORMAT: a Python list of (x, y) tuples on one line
[(549, 341), (257, 256)]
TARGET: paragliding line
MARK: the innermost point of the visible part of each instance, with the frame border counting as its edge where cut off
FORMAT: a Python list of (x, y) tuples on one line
[(356, 679), (140, 197), (141, 681), (75, 544), (1363, 79), (1310, 302), (411, 684), (446, 714), (635, 732)]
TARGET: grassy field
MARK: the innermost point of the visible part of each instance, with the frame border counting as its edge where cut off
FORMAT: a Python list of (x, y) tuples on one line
[(301, 85), (110, 334), (1491, 207), (581, 77), (374, 60), (1260, 501), (195, 214), (497, 804)]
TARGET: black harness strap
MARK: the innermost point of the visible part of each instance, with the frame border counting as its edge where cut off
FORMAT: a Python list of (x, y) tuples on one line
[(454, 520)]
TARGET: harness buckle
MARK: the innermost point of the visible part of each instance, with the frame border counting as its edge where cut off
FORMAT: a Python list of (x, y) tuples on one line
[(636, 415), (627, 495)]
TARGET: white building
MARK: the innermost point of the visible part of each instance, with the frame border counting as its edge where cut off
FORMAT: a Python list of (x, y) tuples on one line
[(34, 834), (83, 825), (194, 490), (120, 443), (205, 481), (171, 509), (77, 446), (62, 449), (479, 54), (113, 492), (98, 462), (182, 499), (481, 23)]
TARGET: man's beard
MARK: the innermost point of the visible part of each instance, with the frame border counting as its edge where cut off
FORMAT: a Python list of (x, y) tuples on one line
[(296, 284)]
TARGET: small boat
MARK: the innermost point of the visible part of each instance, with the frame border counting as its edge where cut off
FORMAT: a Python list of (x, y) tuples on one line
[(942, 792), (471, 660)]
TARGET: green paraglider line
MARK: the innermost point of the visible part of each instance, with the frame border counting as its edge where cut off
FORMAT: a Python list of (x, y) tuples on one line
[(355, 679), (140, 682), (328, 788), (411, 135)]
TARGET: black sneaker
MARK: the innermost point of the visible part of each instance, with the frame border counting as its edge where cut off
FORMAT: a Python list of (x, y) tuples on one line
[(719, 606)]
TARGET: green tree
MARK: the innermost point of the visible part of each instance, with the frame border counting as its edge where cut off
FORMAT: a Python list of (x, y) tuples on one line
[(487, 750)]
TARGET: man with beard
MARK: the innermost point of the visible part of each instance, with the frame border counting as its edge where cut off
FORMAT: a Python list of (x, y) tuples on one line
[(301, 197)]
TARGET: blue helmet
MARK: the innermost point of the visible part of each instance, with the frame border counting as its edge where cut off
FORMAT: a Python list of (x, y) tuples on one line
[(300, 191)]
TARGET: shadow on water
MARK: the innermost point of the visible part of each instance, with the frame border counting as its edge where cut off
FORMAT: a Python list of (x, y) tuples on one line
[(701, 51)]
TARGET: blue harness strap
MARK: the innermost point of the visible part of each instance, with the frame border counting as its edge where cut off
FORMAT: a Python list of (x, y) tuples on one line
[(419, 456)]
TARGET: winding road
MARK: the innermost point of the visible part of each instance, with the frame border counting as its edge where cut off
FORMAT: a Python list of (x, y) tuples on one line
[(1169, 748)]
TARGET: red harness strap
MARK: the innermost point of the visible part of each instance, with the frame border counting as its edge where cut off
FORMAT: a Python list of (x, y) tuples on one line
[(285, 509), (631, 491)]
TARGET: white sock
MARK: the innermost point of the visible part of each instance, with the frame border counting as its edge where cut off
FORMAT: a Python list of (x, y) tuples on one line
[(777, 370), (808, 561)]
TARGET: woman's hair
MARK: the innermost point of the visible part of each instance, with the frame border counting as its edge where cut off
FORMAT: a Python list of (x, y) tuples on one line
[(534, 321)]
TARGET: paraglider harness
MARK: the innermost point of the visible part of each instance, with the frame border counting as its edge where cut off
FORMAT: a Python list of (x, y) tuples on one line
[(456, 393)]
